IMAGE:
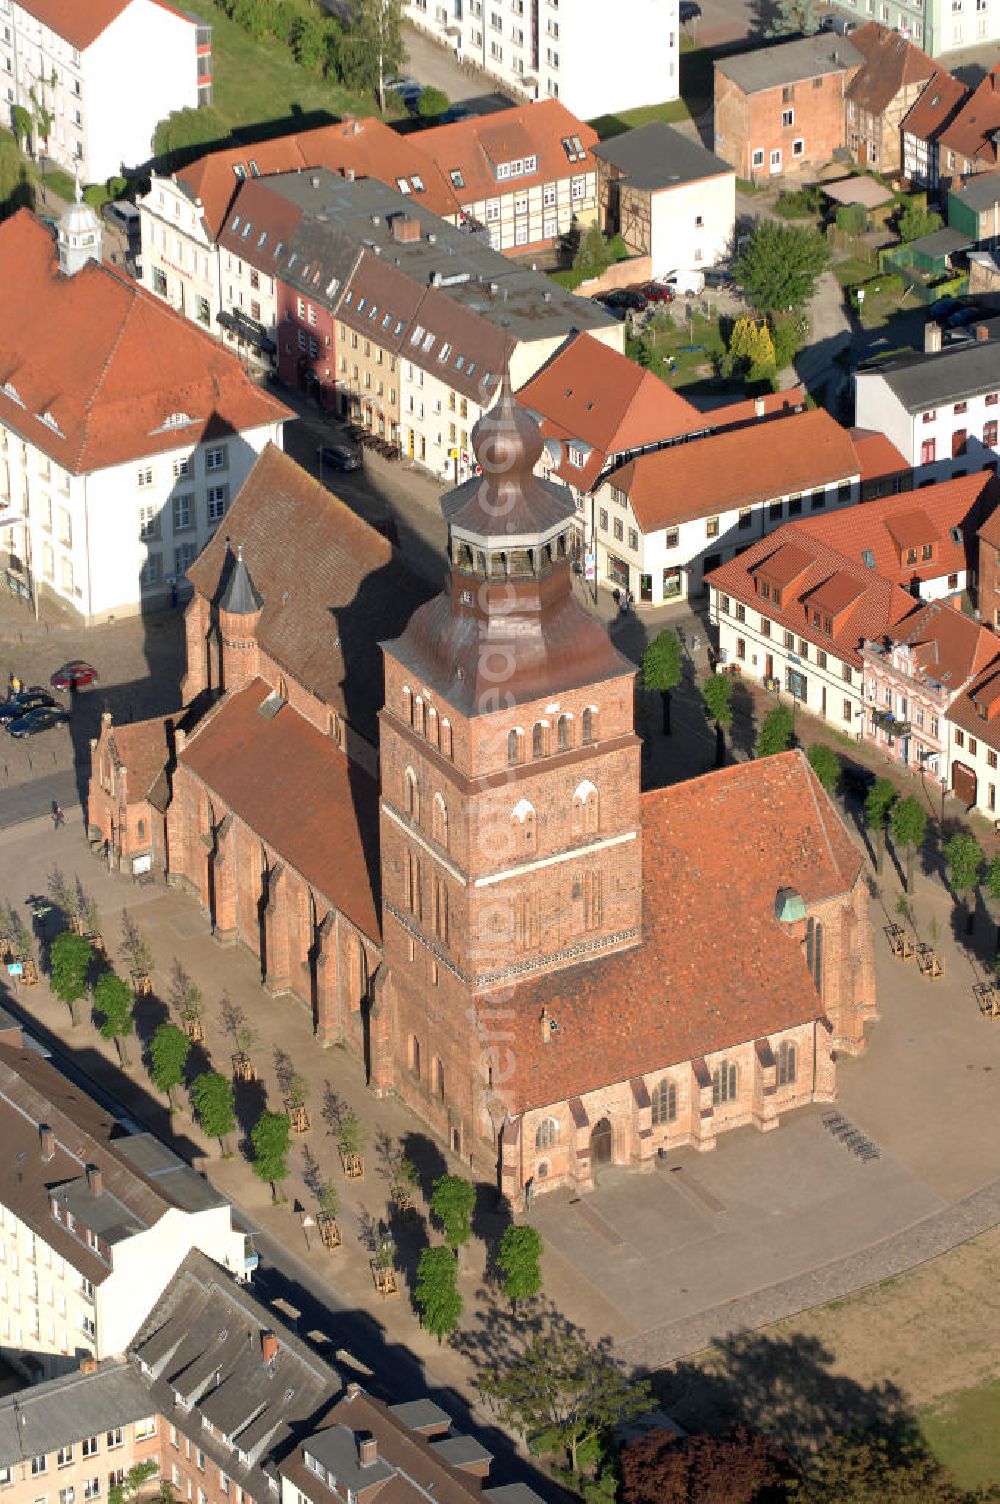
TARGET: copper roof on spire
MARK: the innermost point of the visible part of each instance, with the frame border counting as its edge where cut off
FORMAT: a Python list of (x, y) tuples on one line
[(508, 500)]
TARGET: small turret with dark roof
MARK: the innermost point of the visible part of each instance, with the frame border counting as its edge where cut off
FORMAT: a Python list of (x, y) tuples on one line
[(240, 596)]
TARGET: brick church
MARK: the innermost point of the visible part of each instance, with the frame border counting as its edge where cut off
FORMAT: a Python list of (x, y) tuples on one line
[(447, 856)]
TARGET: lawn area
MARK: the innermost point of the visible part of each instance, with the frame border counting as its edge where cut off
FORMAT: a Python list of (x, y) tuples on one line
[(259, 85), (962, 1432), (851, 272), (667, 347)]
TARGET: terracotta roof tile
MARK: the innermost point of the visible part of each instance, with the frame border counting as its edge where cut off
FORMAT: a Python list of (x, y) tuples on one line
[(729, 840), (475, 147), (108, 363), (878, 456), (983, 694), (82, 24), (298, 792), (143, 747), (738, 467), (880, 604), (877, 527), (332, 586), (971, 130), (937, 105), (950, 647), (891, 65), (591, 393), (367, 147)]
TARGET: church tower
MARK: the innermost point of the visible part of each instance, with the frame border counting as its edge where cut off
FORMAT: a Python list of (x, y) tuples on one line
[(510, 820)]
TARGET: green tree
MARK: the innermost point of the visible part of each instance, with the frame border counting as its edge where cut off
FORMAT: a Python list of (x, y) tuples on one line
[(964, 860), (432, 104), (591, 254), (453, 1201), (751, 349), (825, 764), (213, 1098), (404, 1178), (69, 962), (138, 1475), (562, 1384), (878, 806), (852, 218), (113, 999), (519, 1259), (992, 881), (309, 42), (373, 48), (169, 1050), (717, 694), (21, 121), (792, 18), (915, 220), (270, 1136), (779, 266), (134, 945), (661, 669), (436, 1292), (776, 732), (908, 823), (350, 1133), (187, 128), (849, 1470), (329, 1200)]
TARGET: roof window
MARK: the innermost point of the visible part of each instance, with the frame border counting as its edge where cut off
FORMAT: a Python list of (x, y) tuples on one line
[(348, 295), (402, 185), (279, 247), (292, 259), (418, 182), (236, 221), (457, 180), (868, 558), (417, 335), (262, 242), (428, 343), (398, 329), (361, 304), (444, 351), (246, 229), (373, 310), (387, 321), (459, 362), (239, 171), (472, 368), (254, 169)]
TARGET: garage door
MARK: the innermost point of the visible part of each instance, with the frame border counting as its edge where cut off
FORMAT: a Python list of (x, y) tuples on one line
[(963, 782)]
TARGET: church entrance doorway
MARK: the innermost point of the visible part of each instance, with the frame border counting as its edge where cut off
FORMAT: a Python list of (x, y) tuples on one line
[(600, 1144)]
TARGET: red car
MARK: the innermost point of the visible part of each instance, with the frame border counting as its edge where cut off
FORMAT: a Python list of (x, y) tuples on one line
[(74, 675), (655, 292)]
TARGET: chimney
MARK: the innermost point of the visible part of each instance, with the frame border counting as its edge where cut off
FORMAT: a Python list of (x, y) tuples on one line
[(349, 174), (404, 229), (314, 180), (352, 1391), (348, 122), (105, 720), (758, 407), (268, 1347), (367, 1450), (932, 337), (982, 332), (356, 128), (545, 1024), (95, 1179), (46, 1142)]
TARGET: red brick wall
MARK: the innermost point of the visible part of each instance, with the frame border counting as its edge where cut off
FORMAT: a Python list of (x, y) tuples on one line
[(744, 124), (989, 583), (315, 374)]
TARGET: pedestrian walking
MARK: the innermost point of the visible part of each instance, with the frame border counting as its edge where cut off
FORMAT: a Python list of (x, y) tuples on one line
[(58, 817)]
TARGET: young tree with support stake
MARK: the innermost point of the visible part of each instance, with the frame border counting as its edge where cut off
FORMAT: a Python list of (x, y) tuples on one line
[(661, 669), (436, 1292), (69, 962), (878, 806), (113, 999), (908, 824), (964, 860)]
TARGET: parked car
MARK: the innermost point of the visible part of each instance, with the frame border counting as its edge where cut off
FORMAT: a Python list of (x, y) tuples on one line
[(624, 300), (655, 292), (28, 699), (685, 283), (688, 11), (968, 313), (42, 718), (339, 457), (74, 675), (844, 26), (406, 88), (943, 306), (718, 276)]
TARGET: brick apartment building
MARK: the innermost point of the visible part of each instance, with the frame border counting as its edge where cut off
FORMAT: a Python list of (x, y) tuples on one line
[(781, 109), (514, 868)]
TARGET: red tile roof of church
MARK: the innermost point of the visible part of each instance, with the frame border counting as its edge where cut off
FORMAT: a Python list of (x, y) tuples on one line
[(715, 967), (102, 370), (299, 793)]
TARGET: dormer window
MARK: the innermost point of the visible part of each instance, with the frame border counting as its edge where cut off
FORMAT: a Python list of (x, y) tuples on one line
[(575, 455)]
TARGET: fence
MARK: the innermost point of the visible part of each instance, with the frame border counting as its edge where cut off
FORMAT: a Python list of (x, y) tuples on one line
[(853, 245)]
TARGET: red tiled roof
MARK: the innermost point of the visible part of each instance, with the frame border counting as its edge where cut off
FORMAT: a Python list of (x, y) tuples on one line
[(875, 526), (108, 363), (737, 467), (891, 65), (878, 606), (936, 106), (332, 586), (878, 456), (949, 647), (971, 131), (299, 793), (82, 23), (368, 147), (964, 709), (752, 409), (143, 748), (475, 147), (592, 393), (729, 840)]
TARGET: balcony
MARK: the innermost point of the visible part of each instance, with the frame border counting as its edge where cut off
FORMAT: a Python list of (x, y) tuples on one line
[(886, 721)]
